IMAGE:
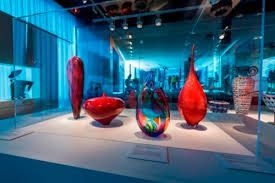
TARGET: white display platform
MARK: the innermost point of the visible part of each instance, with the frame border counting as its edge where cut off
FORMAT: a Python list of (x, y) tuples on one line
[(85, 144), (207, 137)]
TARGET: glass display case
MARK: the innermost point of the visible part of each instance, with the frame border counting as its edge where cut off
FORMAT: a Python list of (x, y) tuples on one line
[(33, 80), (161, 75)]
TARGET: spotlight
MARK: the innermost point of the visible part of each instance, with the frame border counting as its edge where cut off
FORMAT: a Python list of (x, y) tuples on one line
[(129, 36), (112, 26), (125, 25), (158, 21), (130, 43), (75, 11), (84, 1), (222, 36), (130, 47), (139, 23)]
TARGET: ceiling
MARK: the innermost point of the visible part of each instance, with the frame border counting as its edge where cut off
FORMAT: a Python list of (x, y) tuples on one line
[(89, 11), (170, 44), (93, 10)]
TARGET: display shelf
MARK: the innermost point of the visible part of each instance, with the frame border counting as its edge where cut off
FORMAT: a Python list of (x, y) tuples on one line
[(85, 144)]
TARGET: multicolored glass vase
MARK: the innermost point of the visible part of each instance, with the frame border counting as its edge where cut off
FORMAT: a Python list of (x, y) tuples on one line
[(153, 112), (75, 74), (192, 101)]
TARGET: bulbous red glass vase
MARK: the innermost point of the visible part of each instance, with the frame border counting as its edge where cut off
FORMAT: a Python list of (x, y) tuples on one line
[(192, 101), (104, 109), (75, 74)]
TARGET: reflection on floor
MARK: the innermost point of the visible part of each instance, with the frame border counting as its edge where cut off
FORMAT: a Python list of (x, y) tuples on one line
[(21, 121), (241, 128), (86, 144)]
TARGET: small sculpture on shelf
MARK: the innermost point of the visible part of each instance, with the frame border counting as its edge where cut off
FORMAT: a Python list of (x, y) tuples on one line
[(192, 101), (75, 74), (131, 88), (243, 88), (218, 106), (269, 101), (104, 109), (153, 112), (132, 100)]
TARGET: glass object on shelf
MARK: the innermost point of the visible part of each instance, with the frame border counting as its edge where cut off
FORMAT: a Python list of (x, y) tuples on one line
[(153, 112), (104, 109), (192, 101), (75, 73), (269, 101), (243, 88), (218, 106)]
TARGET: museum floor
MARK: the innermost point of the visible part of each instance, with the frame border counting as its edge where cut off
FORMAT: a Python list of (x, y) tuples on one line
[(90, 151)]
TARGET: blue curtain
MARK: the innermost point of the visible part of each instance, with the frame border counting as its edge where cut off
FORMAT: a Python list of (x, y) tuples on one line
[(93, 47), (61, 24)]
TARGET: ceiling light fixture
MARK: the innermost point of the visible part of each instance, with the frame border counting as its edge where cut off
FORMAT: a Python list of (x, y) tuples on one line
[(84, 1), (158, 21), (139, 23), (130, 47), (222, 36), (125, 25), (112, 26), (130, 43), (129, 36)]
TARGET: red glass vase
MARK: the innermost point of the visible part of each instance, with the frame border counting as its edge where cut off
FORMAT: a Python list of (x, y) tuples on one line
[(75, 74), (192, 101), (104, 109)]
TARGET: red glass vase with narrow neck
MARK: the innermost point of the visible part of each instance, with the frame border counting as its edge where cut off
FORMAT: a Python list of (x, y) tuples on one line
[(192, 101)]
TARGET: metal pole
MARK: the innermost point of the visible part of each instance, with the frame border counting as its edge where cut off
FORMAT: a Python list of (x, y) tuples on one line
[(258, 151)]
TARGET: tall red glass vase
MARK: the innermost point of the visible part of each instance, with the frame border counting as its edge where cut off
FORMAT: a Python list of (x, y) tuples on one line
[(192, 101), (75, 74)]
